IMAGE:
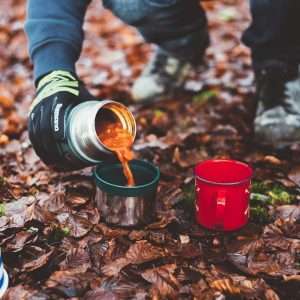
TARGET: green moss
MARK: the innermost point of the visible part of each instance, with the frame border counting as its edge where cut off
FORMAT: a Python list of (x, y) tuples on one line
[(259, 215), (271, 194), (58, 233), (228, 14), (280, 195), (189, 196), (264, 195), (259, 187), (66, 231), (33, 229), (2, 210), (159, 113), (205, 96)]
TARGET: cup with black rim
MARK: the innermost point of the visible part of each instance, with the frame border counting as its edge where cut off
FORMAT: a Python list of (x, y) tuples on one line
[(123, 205)]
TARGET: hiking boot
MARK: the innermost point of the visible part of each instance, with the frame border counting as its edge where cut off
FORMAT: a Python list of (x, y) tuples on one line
[(163, 75), (277, 121)]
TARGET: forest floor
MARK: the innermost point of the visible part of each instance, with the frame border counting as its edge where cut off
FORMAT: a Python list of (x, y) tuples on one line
[(55, 244)]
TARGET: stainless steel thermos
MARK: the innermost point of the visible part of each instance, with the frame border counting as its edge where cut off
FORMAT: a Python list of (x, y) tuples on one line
[(83, 146)]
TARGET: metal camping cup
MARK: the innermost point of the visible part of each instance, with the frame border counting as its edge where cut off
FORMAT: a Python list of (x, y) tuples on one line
[(3, 278), (82, 146), (124, 205), (222, 194)]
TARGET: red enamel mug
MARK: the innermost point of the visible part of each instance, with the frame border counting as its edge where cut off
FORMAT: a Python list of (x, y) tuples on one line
[(222, 194)]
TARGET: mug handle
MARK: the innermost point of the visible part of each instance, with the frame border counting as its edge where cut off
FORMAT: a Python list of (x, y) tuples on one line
[(220, 207)]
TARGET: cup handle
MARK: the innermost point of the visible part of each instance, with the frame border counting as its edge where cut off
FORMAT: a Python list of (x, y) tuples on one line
[(220, 207)]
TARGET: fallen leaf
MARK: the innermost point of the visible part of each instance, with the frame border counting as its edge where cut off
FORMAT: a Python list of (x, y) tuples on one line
[(138, 253), (41, 259), (142, 251), (294, 174), (162, 279), (21, 239), (69, 283), (225, 286), (18, 213), (78, 226)]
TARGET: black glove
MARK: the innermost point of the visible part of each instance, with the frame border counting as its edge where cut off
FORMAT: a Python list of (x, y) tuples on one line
[(57, 93)]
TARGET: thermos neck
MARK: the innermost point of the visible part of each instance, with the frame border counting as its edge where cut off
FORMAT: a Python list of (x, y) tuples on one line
[(84, 123)]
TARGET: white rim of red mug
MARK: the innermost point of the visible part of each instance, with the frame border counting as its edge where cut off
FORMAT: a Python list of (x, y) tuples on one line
[(225, 183)]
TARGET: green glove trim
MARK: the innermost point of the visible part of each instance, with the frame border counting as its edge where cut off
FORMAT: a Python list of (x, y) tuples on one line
[(56, 81)]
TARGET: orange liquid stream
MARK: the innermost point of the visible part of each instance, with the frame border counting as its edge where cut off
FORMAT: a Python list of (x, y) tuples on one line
[(119, 140)]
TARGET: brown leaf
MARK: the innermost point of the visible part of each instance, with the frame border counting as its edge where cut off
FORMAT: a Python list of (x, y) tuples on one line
[(78, 225), (99, 294), (19, 292), (6, 99), (111, 232), (162, 279), (272, 254), (271, 295), (272, 160), (201, 291), (142, 251), (288, 211), (138, 253), (115, 267), (55, 203), (137, 235), (38, 262), (189, 158), (294, 174), (112, 289), (69, 283), (225, 286), (79, 191), (17, 213), (21, 239), (42, 215), (91, 214), (165, 218), (292, 277), (77, 200), (78, 259)]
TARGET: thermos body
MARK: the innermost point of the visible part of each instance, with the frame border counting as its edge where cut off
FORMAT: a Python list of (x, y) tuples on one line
[(123, 205), (82, 146)]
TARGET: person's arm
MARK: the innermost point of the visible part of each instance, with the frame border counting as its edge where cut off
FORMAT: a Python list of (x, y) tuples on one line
[(55, 34), (54, 30)]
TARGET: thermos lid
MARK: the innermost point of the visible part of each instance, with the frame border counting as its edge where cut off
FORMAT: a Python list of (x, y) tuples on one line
[(110, 179)]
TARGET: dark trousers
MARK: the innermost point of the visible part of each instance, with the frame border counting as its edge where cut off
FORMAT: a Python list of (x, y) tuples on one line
[(180, 27)]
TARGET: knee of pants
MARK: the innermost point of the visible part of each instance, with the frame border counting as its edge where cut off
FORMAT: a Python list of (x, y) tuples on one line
[(134, 12)]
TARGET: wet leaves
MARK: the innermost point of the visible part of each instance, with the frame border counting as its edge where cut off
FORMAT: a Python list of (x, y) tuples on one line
[(15, 214), (143, 251), (225, 286), (37, 258), (138, 253), (78, 226), (19, 292), (162, 280), (294, 175), (273, 253), (20, 240), (54, 243)]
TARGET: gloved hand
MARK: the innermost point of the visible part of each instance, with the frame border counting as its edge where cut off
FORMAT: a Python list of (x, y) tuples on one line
[(57, 93)]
